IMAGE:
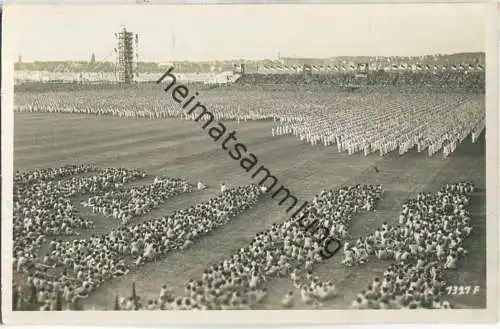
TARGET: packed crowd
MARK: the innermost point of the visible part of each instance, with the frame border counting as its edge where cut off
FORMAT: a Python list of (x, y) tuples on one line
[(441, 79), (43, 208), (42, 203), (433, 122), (283, 250), (380, 122), (368, 123), (154, 105), (437, 79), (148, 100), (427, 241), (124, 203), (55, 270)]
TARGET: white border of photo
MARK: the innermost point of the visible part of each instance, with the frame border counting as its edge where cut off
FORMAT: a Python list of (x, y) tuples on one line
[(275, 317)]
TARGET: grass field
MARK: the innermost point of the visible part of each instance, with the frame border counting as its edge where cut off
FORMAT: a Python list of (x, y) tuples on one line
[(181, 149)]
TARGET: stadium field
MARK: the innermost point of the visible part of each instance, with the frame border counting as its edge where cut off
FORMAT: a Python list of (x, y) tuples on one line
[(178, 148)]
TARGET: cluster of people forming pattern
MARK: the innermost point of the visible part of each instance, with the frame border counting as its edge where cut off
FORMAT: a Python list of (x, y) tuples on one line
[(124, 203), (429, 122), (366, 123), (284, 250), (68, 270), (149, 105), (427, 241)]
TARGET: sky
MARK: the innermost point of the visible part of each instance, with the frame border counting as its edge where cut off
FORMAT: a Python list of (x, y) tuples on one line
[(224, 32)]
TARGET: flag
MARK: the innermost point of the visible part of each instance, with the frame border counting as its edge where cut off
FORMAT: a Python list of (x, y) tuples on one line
[(33, 300), (58, 301), (117, 304), (15, 297), (134, 297)]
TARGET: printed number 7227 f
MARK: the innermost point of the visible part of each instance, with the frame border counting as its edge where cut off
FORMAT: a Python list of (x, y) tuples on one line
[(462, 290)]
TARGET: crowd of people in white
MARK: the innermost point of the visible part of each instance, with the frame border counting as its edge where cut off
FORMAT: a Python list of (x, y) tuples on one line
[(153, 105), (42, 202), (283, 250), (427, 241), (433, 122), (125, 203), (54, 271), (368, 122)]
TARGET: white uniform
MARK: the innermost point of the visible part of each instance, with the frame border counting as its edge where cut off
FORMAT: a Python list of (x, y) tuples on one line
[(201, 186)]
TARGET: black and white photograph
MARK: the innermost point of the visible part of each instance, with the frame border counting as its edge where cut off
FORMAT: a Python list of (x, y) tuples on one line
[(299, 159)]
